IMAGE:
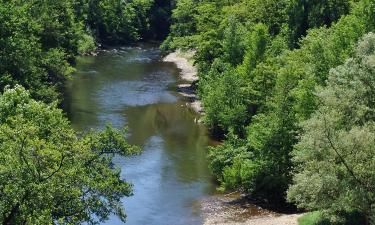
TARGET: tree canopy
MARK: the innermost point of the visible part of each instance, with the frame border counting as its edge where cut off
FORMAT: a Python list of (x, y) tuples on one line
[(49, 174), (335, 154), (260, 65), (39, 39)]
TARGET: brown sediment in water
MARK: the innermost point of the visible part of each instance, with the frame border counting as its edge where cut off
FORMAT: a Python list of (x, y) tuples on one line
[(183, 61)]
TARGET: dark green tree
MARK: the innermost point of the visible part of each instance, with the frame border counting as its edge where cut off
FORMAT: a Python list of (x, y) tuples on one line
[(306, 14)]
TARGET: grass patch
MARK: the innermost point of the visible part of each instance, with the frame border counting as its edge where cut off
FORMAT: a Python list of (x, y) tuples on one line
[(346, 218), (313, 218)]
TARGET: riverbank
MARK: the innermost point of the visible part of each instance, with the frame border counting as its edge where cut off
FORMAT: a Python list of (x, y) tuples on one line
[(229, 209), (271, 220), (184, 62), (234, 209)]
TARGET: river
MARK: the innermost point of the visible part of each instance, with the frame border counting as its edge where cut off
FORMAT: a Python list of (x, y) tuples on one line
[(133, 87)]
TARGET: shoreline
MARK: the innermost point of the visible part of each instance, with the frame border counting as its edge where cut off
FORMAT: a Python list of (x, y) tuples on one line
[(234, 209), (227, 209), (188, 73)]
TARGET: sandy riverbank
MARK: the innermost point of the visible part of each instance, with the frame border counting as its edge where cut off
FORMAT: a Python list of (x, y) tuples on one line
[(233, 209), (266, 220), (189, 73), (184, 62)]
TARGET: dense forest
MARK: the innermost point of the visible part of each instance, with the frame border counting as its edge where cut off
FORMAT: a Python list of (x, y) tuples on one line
[(39, 39), (288, 85)]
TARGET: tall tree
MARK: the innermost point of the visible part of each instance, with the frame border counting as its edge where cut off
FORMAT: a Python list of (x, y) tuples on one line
[(335, 155)]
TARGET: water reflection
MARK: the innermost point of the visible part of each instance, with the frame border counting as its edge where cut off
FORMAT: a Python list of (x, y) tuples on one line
[(132, 87), (183, 140)]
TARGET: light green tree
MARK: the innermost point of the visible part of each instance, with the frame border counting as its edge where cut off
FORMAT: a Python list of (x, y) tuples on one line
[(233, 45), (335, 156)]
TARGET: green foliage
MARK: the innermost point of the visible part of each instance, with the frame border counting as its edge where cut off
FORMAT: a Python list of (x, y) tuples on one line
[(115, 21), (320, 218), (242, 175), (256, 45), (35, 47), (223, 155), (39, 39), (232, 43), (269, 12), (304, 14), (335, 155), (313, 218), (183, 18), (51, 175), (255, 83), (225, 101), (86, 44)]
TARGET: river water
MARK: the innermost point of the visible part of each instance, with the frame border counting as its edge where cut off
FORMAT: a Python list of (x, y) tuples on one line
[(132, 87)]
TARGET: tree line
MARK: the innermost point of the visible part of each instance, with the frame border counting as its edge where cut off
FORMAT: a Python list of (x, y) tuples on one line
[(289, 87), (39, 39)]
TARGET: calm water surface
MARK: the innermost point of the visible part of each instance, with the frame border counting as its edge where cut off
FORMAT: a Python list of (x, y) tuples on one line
[(132, 87)]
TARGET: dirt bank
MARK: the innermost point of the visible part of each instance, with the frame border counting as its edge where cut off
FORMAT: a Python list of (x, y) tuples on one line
[(184, 62), (267, 220), (233, 209)]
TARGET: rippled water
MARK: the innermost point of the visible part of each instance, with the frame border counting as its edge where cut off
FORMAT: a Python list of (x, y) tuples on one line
[(132, 87)]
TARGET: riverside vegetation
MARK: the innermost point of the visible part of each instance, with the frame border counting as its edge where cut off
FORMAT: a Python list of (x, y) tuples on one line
[(288, 84)]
